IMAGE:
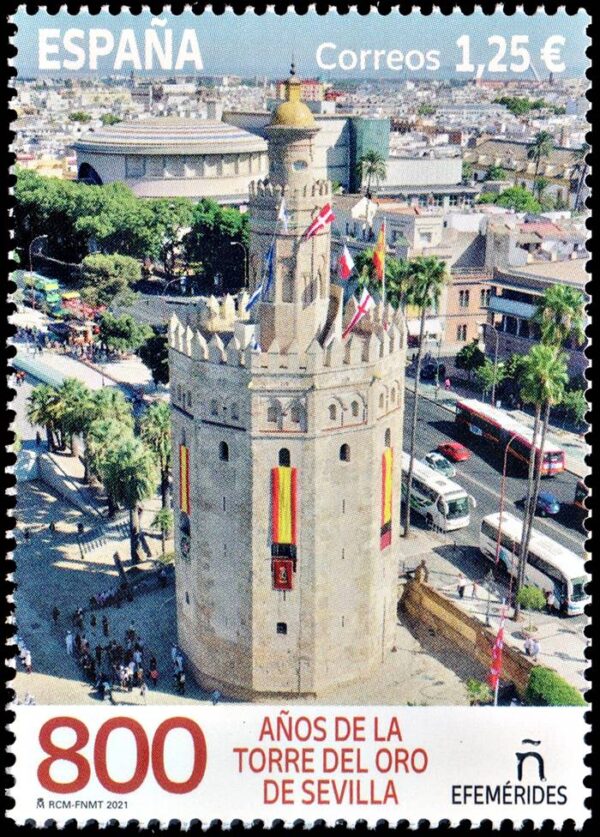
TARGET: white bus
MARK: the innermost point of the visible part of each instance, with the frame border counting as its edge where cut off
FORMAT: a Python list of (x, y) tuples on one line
[(442, 503), (550, 566)]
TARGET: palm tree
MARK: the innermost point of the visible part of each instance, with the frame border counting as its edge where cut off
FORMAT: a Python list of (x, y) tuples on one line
[(163, 520), (103, 437), (41, 411), (156, 432), (372, 167), (111, 403), (581, 170), (542, 146), (560, 315), (129, 473), (427, 275), (79, 412), (543, 384)]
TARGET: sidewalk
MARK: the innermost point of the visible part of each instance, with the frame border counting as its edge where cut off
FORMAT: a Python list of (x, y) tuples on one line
[(574, 445), (561, 639)]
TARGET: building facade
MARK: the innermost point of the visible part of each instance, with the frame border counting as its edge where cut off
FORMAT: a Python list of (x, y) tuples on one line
[(289, 439)]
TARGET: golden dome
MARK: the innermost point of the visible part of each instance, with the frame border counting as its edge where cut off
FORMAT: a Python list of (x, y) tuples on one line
[(293, 113)]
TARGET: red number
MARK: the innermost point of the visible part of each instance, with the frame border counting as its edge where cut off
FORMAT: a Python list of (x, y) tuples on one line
[(158, 755), (71, 754), (141, 761)]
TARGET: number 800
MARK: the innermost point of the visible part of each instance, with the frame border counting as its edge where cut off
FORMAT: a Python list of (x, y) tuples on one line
[(145, 754)]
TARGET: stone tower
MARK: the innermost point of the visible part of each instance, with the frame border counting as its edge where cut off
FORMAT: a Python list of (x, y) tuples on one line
[(287, 443)]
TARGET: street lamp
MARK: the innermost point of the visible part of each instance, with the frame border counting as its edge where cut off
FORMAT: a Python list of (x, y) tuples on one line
[(489, 577), (31, 243), (502, 492), (245, 249), (496, 336)]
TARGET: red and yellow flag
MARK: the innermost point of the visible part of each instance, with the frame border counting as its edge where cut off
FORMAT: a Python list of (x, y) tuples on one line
[(184, 479), (284, 496), (387, 461), (379, 254)]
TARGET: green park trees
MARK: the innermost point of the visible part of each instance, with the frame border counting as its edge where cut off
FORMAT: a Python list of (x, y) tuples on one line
[(489, 375), (154, 353), (109, 279), (515, 197), (213, 230), (470, 358), (81, 219), (122, 334)]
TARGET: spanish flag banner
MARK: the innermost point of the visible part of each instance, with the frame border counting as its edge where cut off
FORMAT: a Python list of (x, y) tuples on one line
[(184, 479), (283, 508), (379, 254), (387, 461)]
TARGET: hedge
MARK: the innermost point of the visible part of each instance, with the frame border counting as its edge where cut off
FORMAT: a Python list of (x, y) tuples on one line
[(547, 688)]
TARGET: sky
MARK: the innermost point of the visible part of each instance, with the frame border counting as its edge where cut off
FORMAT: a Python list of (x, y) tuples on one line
[(252, 44)]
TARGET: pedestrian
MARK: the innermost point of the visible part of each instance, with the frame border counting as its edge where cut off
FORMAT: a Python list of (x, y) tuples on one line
[(179, 662), (105, 626), (27, 661), (447, 384), (174, 652), (93, 620), (27, 535), (461, 586), (180, 682), (98, 652), (38, 439), (474, 591), (69, 643), (550, 601), (143, 690), (535, 650), (153, 677), (528, 646), (52, 527), (55, 615)]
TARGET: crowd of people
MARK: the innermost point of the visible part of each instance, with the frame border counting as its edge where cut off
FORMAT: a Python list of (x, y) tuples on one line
[(123, 664)]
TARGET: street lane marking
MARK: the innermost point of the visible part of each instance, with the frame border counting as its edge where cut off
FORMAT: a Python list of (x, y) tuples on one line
[(544, 521)]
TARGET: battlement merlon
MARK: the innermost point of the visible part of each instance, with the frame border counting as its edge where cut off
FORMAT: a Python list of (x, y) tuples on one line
[(271, 194), (368, 344)]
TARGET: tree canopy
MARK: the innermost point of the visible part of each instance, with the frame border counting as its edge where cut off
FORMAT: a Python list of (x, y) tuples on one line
[(515, 197), (122, 334), (154, 353), (209, 242), (109, 279)]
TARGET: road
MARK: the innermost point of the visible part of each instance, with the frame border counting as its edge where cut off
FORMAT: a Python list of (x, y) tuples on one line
[(482, 474)]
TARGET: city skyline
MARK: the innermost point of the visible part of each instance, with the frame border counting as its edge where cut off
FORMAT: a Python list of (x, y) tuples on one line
[(300, 37)]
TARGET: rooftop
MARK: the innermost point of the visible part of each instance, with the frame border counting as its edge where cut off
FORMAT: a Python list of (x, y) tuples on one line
[(160, 135)]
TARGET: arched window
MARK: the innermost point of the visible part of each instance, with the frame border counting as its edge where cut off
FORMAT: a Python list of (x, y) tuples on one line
[(332, 412), (272, 413), (381, 401), (235, 413), (295, 414), (189, 399), (223, 451), (388, 438), (178, 392), (214, 407), (345, 453), (393, 395), (284, 458), (355, 409)]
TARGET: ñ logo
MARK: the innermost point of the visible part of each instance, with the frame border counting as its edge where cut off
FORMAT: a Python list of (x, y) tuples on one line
[(530, 754)]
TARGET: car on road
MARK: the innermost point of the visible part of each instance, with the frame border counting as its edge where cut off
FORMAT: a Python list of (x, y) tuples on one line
[(431, 370), (439, 463), (547, 504), (454, 451)]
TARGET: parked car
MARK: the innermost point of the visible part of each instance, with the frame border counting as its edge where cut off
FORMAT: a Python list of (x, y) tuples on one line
[(454, 451), (439, 463), (547, 504), (428, 371)]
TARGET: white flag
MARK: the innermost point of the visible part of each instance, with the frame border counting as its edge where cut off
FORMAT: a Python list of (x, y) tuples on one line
[(282, 216)]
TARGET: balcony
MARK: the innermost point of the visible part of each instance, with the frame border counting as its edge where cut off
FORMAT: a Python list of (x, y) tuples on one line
[(500, 305)]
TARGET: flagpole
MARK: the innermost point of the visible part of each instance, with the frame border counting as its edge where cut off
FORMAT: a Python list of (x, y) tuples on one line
[(497, 686)]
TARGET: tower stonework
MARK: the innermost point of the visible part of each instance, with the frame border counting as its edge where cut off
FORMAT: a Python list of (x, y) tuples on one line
[(287, 444)]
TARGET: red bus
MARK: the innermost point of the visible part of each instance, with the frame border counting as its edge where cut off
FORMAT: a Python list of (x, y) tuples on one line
[(497, 428)]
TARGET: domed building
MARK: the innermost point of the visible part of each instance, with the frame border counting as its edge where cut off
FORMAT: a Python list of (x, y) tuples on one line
[(164, 157)]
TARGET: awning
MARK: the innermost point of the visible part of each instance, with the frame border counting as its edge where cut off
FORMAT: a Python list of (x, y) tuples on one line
[(433, 327)]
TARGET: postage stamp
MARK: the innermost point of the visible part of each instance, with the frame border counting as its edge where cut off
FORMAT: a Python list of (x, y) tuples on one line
[(299, 324)]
